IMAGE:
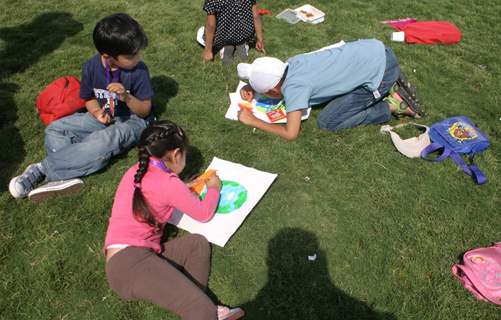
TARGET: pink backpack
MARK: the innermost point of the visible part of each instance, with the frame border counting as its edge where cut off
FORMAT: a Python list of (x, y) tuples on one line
[(480, 273)]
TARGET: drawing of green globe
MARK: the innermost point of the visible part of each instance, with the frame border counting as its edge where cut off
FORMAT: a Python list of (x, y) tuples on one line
[(233, 196)]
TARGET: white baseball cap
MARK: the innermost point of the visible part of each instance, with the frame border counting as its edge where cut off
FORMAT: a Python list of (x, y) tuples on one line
[(263, 74)]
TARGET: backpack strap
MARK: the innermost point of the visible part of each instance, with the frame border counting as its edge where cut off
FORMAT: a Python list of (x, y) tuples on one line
[(472, 169), (432, 148)]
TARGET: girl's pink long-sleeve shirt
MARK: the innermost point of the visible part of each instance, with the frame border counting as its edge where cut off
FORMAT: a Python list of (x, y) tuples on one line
[(163, 192)]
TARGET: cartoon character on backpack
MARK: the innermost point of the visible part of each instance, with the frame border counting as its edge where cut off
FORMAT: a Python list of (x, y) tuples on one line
[(462, 131), (454, 137)]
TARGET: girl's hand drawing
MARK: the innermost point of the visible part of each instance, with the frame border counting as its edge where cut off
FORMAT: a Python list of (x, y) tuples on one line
[(191, 183), (214, 182), (247, 93)]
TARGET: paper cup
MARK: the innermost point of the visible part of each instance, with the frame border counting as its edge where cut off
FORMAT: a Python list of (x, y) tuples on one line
[(398, 36)]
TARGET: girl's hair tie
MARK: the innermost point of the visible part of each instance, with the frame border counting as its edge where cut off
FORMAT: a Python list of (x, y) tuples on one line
[(137, 185)]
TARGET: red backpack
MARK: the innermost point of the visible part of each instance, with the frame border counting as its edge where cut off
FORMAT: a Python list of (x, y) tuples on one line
[(60, 98)]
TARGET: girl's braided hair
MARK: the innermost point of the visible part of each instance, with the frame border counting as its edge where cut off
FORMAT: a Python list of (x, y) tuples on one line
[(156, 140)]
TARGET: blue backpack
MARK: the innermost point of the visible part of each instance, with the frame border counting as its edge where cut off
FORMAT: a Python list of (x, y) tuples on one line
[(456, 136)]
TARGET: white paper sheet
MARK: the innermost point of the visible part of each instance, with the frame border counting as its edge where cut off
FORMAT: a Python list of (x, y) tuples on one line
[(222, 226), (235, 99), (335, 45)]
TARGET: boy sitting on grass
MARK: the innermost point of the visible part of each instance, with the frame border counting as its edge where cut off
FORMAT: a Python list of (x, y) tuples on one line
[(117, 89), (360, 82)]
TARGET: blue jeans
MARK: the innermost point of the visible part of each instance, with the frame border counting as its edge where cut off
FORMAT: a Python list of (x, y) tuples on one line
[(78, 145), (360, 107)]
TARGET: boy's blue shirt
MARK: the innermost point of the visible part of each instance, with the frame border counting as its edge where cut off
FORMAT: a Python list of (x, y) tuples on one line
[(93, 84), (315, 78)]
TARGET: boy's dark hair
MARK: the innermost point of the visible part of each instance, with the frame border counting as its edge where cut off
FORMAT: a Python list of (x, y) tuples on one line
[(119, 34)]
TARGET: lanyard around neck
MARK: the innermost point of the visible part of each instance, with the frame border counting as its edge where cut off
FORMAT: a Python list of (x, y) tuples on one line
[(160, 164), (110, 75)]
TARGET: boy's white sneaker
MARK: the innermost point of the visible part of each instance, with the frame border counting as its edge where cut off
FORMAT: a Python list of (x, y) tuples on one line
[(20, 186), (55, 188)]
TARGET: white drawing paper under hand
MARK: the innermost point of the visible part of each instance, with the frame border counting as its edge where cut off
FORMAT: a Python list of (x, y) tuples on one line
[(266, 109), (242, 188)]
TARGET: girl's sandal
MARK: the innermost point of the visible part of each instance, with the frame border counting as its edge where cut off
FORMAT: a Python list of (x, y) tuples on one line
[(402, 107), (225, 313), (412, 103), (407, 86)]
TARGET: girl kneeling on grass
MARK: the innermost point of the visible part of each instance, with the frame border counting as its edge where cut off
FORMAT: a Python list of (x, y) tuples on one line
[(172, 275), (231, 28)]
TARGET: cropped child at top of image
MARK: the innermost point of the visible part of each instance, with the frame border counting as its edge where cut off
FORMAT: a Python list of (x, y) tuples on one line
[(359, 82), (117, 91), (232, 26), (172, 275)]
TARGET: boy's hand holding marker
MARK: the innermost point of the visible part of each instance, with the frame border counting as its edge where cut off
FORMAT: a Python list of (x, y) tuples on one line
[(119, 89), (102, 117), (95, 109), (245, 114)]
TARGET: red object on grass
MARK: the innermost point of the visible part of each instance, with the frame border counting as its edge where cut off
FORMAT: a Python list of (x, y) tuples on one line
[(432, 32), (276, 115), (427, 32), (263, 12), (59, 99), (399, 23)]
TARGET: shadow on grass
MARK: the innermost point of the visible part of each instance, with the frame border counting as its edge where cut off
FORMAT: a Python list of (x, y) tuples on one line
[(194, 164), (301, 289), (165, 88), (24, 46)]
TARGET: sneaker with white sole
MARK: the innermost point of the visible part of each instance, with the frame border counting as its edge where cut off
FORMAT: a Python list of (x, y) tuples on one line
[(20, 186), (227, 56), (242, 51), (55, 188)]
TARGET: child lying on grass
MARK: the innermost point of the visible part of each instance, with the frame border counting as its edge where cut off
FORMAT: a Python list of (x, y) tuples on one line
[(360, 82)]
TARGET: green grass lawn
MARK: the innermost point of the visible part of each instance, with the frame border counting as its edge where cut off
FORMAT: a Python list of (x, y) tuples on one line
[(386, 229)]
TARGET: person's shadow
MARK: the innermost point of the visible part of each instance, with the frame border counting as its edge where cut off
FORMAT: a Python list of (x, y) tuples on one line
[(24, 45), (298, 288), (165, 88), (194, 163)]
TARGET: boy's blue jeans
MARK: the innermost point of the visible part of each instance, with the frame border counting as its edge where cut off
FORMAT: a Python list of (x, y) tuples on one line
[(360, 107), (78, 145)]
